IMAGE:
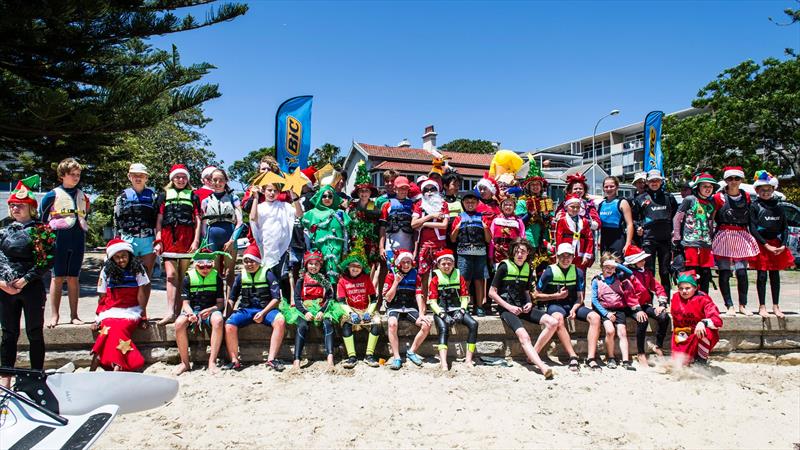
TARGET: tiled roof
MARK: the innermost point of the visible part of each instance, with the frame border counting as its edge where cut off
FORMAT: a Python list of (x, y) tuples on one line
[(418, 154), (420, 168)]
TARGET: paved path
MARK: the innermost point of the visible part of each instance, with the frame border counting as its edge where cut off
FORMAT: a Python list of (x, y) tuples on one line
[(790, 293)]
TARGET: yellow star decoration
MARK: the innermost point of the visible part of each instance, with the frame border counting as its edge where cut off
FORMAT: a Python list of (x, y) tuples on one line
[(124, 346), (295, 182), (268, 178), (104, 330)]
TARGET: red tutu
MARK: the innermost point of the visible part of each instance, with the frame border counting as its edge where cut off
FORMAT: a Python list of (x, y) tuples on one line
[(766, 260), (698, 257), (114, 345), (176, 241)]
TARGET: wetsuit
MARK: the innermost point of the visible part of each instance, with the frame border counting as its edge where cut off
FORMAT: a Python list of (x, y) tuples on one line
[(733, 244), (649, 284), (310, 295), (693, 227), (572, 279), (613, 231), (358, 298), (513, 284), (202, 292), (769, 226), (70, 231), (653, 211)]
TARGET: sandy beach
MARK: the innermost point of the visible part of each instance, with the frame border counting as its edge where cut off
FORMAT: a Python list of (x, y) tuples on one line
[(728, 405)]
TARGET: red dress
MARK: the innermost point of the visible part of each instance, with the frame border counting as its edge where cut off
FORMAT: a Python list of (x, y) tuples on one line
[(119, 313), (686, 314)]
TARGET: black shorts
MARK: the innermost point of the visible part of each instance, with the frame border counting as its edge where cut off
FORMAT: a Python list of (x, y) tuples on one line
[(581, 314), (515, 322), (409, 314), (620, 316)]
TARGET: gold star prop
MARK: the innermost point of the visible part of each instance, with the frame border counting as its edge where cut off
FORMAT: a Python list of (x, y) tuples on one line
[(268, 178), (124, 346), (104, 330), (295, 182)]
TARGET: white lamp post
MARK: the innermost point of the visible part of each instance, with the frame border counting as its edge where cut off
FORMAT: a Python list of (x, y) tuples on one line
[(613, 112)]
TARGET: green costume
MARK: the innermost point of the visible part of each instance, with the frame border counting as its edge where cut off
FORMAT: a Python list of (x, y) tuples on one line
[(537, 212), (327, 227)]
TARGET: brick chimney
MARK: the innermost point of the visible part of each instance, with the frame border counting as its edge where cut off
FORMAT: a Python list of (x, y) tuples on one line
[(429, 139)]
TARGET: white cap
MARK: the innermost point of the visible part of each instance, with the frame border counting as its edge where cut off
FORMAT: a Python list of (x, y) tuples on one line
[(654, 174), (138, 168), (565, 247), (640, 176)]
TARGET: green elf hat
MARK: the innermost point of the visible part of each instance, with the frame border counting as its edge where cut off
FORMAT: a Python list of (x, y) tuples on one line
[(204, 253), (23, 192), (534, 173), (363, 180), (357, 255), (688, 277), (703, 177)]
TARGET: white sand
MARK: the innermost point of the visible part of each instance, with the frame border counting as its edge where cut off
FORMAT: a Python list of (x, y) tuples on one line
[(729, 405)]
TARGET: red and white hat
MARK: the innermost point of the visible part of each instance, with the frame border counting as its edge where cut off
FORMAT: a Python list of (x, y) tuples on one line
[(401, 255), (309, 174), (252, 253), (117, 245), (315, 255), (205, 173), (489, 183), (428, 182), (178, 169), (444, 253), (635, 254), (571, 198), (733, 171)]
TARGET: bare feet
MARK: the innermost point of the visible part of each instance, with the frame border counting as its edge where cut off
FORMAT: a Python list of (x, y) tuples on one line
[(296, 365), (657, 350), (53, 321), (743, 309), (777, 310), (168, 319), (762, 311), (731, 311), (642, 359), (212, 368), (181, 369), (76, 321), (548, 374), (95, 326)]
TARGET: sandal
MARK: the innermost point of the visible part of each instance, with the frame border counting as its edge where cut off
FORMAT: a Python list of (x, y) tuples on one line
[(592, 364), (628, 365), (611, 363), (573, 364), (237, 366)]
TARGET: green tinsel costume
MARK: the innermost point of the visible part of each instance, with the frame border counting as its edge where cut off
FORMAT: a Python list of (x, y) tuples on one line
[(364, 219), (327, 227), (537, 212)]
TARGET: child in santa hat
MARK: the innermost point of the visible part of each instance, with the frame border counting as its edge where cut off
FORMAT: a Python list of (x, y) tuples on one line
[(259, 294), (177, 234), (695, 322), (402, 293), (770, 229), (120, 309), (574, 229), (647, 289), (449, 298)]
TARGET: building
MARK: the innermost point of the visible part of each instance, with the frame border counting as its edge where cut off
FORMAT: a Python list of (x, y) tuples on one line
[(412, 162), (620, 152)]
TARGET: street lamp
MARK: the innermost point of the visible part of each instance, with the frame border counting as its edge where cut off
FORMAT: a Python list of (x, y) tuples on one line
[(613, 112)]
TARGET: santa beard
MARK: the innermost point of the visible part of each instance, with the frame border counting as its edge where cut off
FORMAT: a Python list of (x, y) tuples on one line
[(432, 203)]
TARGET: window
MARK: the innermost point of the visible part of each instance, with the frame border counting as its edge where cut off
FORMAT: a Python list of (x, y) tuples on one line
[(601, 148), (377, 179), (468, 184)]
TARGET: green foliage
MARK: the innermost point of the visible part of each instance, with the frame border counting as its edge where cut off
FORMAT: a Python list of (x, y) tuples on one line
[(76, 75), (747, 108), (328, 153), (469, 146), (242, 170)]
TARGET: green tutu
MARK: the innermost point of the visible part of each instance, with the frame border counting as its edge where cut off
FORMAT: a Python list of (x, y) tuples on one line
[(292, 314)]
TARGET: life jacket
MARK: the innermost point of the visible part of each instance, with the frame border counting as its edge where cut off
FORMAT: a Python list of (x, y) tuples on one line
[(471, 239), (734, 212), (178, 207), (128, 280), (449, 289), (654, 212), (568, 280), (610, 295), (68, 210), (123, 293), (454, 207), (137, 214), (610, 214), (515, 282), (202, 290), (769, 217), (406, 296), (219, 209), (256, 291), (399, 217), (312, 289)]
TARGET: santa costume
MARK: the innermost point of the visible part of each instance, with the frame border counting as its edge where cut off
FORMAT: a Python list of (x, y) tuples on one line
[(431, 240), (577, 232), (687, 346), (119, 311)]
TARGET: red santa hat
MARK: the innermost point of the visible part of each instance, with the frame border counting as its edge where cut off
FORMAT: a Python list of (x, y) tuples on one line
[(444, 254), (252, 253), (401, 255), (571, 198), (204, 174), (414, 192), (309, 174), (117, 245), (635, 254), (312, 256), (178, 169), (429, 182), (489, 183), (732, 171)]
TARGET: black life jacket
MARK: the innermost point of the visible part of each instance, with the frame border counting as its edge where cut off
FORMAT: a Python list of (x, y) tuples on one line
[(470, 233), (652, 211), (137, 212), (734, 212), (769, 217), (399, 218)]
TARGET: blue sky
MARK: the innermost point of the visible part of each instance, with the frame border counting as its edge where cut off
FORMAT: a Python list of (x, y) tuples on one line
[(527, 74)]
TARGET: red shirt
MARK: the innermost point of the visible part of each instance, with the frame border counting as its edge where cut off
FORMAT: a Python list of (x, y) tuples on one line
[(430, 234), (433, 287), (390, 280), (356, 291)]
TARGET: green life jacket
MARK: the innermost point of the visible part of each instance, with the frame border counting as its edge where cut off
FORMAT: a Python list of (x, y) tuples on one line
[(516, 283), (449, 289), (178, 207), (256, 291), (202, 290), (568, 280)]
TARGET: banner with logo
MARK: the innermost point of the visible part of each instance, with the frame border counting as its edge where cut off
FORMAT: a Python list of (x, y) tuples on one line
[(293, 133), (653, 158)]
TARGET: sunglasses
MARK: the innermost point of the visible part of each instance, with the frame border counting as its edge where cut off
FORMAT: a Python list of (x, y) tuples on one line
[(327, 196), (734, 178)]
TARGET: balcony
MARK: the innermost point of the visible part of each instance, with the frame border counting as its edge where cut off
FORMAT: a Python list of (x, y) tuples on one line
[(633, 145)]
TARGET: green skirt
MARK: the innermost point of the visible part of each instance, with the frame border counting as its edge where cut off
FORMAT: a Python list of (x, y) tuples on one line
[(292, 314)]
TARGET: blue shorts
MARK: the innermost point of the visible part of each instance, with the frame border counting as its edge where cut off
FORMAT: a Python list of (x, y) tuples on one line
[(473, 267), (581, 314), (141, 245), (70, 245), (243, 317), (207, 321)]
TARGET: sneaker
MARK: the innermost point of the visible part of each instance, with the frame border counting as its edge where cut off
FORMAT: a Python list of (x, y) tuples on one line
[(350, 362), (414, 358), (371, 361), (396, 364), (275, 365), (628, 365), (611, 363), (480, 312), (237, 366)]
